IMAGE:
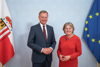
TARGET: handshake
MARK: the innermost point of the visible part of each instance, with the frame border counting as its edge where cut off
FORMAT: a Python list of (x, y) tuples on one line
[(47, 51)]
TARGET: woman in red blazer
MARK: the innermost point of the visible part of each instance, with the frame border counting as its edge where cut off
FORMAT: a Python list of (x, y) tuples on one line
[(69, 47)]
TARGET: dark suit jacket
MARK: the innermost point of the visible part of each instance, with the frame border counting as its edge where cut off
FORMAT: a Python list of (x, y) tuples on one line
[(36, 42)]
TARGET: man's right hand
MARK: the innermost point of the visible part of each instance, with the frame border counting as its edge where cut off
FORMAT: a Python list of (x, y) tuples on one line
[(46, 51)]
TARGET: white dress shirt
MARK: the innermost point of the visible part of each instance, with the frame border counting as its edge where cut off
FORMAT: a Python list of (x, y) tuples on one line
[(46, 33), (45, 29)]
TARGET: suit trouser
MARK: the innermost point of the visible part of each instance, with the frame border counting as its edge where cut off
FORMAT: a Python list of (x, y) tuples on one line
[(46, 63)]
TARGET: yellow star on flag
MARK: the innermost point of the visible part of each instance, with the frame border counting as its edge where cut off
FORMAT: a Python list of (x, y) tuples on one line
[(86, 29), (99, 41), (93, 40), (90, 16), (86, 22), (87, 35), (97, 14)]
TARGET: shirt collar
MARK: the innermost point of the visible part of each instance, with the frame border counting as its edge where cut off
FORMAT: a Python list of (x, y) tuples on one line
[(42, 25)]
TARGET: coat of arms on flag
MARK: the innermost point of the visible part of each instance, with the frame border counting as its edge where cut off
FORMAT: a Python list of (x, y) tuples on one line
[(5, 27)]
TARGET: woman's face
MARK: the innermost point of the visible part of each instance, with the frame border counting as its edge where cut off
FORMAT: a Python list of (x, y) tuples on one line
[(68, 30)]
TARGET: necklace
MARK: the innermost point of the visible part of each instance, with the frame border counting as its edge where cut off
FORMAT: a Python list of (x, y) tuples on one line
[(68, 38)]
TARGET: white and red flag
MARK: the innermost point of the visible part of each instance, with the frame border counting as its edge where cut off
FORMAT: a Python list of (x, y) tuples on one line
[(6, 36)]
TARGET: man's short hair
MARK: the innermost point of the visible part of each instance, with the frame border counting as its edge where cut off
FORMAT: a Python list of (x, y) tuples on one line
[(43, 11)]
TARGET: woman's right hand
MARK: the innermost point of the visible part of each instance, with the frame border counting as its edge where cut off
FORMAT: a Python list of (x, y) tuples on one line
[(61, 57)]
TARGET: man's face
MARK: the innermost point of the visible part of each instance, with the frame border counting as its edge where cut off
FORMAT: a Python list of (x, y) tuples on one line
[(43, 18)]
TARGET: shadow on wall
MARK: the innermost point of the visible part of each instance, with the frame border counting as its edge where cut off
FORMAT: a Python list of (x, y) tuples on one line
[(22, 56), (24, 50)]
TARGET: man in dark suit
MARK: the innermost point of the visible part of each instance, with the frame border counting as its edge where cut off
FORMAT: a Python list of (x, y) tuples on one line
[(42, 41)]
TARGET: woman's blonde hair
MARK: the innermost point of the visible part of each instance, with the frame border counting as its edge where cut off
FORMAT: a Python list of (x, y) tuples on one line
[(68, 23)]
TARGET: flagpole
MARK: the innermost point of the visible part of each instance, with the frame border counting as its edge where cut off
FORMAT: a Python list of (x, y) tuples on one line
[(2, 65), (98, 64)]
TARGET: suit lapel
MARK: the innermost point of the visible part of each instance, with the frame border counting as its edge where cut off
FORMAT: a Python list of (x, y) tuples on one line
[(41, 32), (48, 32)]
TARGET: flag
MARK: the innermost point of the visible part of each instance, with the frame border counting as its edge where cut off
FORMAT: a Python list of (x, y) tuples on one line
[(6, 34), (91, 33)]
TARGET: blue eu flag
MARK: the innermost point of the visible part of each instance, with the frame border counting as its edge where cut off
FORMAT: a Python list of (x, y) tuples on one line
[(91, 33)]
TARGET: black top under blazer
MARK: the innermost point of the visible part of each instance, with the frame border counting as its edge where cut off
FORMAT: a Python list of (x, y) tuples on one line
[(37, 41)]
